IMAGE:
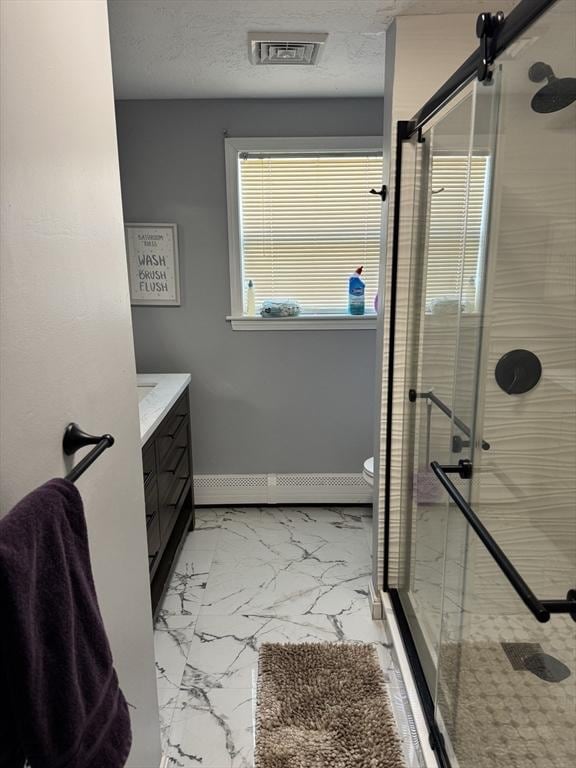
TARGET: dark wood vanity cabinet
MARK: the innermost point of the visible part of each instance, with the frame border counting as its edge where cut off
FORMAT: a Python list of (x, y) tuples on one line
[(168, 490)]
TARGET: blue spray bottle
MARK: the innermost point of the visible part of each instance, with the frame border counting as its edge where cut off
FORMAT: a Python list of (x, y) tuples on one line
[(356, 287)]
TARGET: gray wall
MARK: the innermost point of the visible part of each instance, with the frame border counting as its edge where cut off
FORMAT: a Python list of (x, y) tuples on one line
[(271, 401)]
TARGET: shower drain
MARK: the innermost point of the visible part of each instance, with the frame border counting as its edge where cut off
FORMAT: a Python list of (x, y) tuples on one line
[(530, 657), (517, 653)]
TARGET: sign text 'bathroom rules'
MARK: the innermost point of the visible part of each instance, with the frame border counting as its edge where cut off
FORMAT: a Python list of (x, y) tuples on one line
[(152, 251)]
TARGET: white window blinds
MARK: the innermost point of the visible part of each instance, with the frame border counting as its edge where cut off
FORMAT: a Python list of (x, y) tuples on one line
[(455, 226), (307, 222)]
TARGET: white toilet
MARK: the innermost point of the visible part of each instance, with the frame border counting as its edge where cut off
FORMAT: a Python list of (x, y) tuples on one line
[(368, 470)]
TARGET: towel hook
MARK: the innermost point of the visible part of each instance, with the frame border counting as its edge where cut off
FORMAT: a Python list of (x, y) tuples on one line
[(74, 439)]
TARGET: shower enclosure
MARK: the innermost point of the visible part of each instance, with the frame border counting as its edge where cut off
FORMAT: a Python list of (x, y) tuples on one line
[(485, 243)]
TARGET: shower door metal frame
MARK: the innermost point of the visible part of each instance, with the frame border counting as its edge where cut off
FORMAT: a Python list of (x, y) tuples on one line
[(519, 19)]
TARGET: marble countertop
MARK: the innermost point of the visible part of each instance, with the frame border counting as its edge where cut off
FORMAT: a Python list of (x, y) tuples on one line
[(155, 405)]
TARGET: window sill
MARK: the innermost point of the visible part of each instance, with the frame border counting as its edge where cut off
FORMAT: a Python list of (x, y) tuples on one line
[(305, 323)]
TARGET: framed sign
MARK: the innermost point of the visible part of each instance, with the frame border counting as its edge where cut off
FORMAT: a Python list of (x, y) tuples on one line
[(153, 272)]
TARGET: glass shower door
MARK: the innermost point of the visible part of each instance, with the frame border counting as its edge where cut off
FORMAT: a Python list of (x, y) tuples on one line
[(491, 360), (452, 171), (505, 690), (464, 736)]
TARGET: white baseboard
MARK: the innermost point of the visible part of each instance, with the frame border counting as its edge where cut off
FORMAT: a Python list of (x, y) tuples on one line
[(312, 488)]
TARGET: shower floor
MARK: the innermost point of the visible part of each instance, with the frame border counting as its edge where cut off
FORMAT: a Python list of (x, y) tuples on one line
[(496, 715), (500, 716)]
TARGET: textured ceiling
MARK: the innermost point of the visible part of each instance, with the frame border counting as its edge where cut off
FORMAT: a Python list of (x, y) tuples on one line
[(183, 49)]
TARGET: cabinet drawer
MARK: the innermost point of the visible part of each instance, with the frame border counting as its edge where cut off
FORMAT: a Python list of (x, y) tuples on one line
[(170, 446), (171, 440), (148, 462), (173, 458), (169, 511), (170, 480), (153, 531), (172, 421), (151, 499)]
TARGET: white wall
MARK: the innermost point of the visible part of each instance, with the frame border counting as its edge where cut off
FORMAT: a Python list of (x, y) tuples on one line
[(65, 333)]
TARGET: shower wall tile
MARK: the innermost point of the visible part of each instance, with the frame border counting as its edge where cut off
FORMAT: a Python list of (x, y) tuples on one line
[(532, 305), (525, 487)]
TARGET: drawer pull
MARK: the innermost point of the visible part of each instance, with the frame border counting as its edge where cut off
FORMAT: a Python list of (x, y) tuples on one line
[(183, 482), (177, 427), (175, 464)]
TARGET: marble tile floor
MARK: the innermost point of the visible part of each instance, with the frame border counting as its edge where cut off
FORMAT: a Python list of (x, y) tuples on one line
[(436, 582), (246, 576)]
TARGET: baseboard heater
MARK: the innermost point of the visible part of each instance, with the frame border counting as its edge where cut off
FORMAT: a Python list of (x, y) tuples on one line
[(316, 488)]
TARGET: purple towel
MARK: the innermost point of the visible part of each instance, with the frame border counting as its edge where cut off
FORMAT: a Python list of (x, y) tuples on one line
[(60, 704)]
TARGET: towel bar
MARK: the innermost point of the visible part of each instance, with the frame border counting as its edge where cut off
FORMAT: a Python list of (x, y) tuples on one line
[(74, 439)]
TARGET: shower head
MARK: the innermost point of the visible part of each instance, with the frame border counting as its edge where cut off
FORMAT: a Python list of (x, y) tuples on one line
[(559, 92)]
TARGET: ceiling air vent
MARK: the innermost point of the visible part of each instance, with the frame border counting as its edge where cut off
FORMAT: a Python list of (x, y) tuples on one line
[(286, 47)]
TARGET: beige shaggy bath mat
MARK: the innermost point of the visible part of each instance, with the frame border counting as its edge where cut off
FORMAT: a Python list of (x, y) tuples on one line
[(323, 706)]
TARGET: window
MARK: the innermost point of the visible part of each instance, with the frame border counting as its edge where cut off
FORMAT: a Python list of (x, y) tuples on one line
[(456, 226), (301, 220)]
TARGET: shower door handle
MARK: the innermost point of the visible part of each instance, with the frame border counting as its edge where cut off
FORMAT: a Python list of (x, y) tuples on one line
[(463, 468), (541, 609)]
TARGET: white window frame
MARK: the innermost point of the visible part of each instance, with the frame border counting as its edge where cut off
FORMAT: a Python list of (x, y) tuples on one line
[(480, 266), (281, 145)]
